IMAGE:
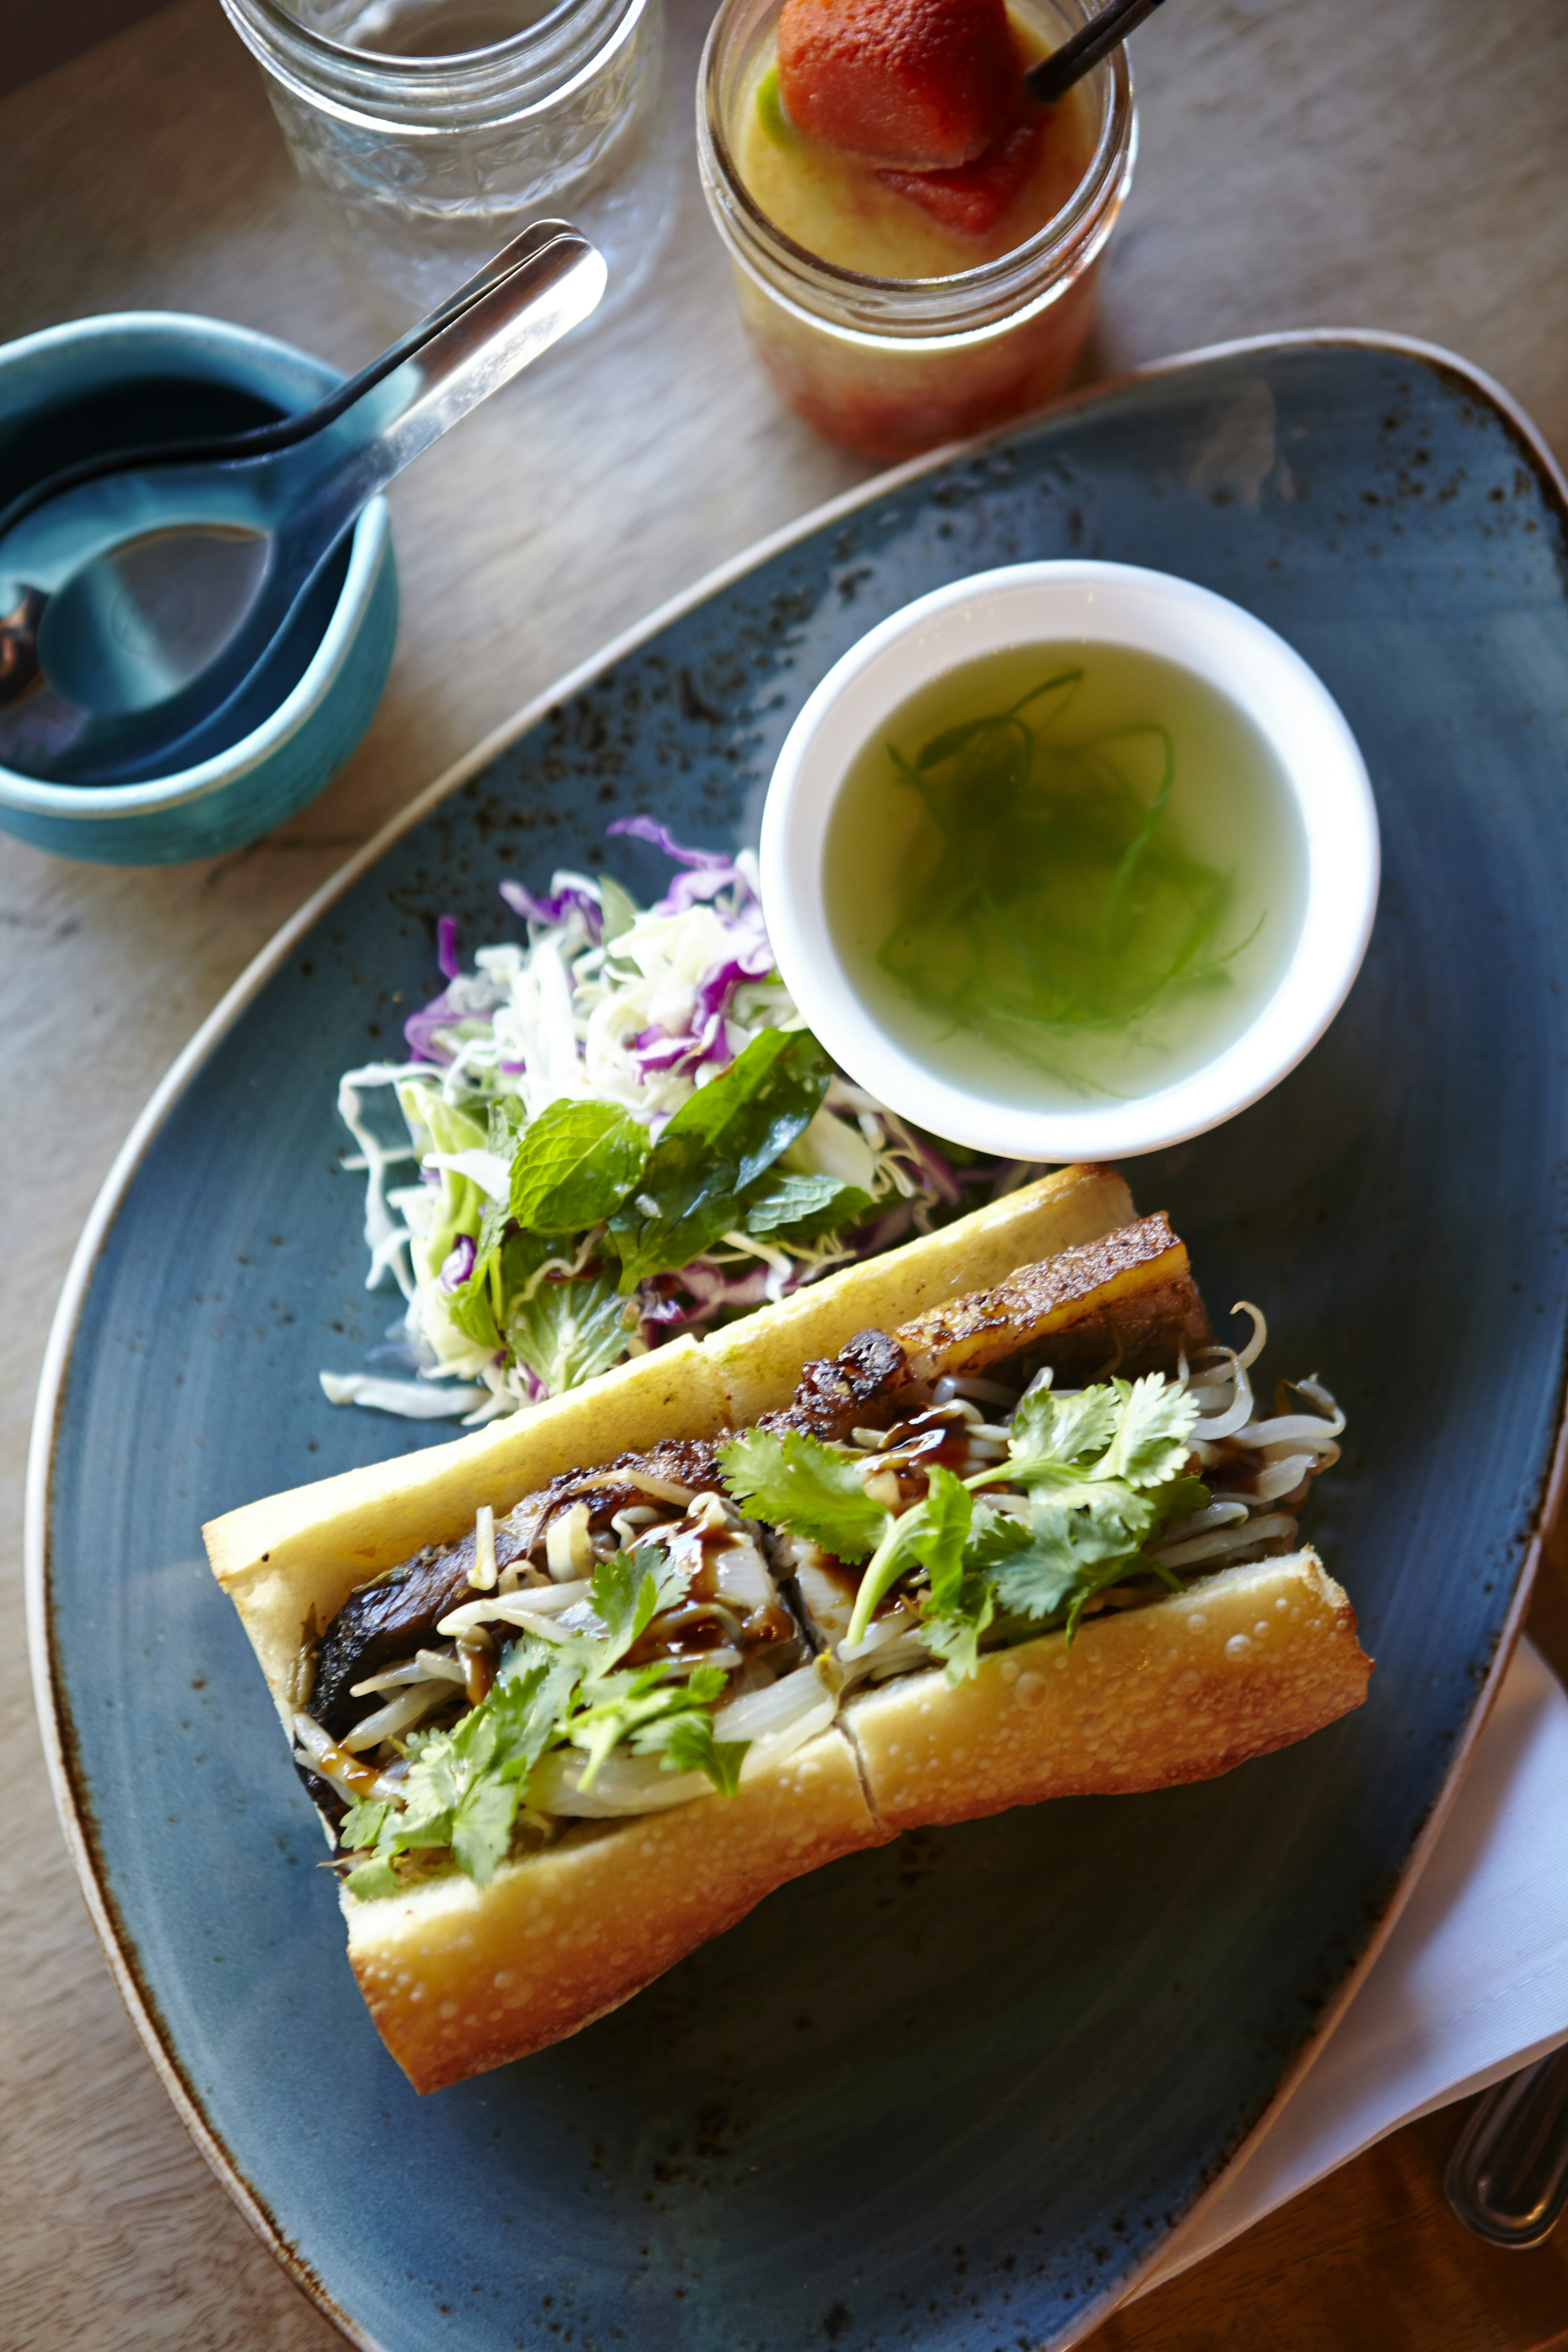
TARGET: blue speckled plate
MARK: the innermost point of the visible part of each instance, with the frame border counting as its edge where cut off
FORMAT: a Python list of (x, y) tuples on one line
[(956, 2094)]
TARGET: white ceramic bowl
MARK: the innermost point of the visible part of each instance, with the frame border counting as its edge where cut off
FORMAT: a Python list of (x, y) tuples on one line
[(1114, 603)]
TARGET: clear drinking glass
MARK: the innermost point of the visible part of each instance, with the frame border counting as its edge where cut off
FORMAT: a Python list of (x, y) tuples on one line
[(428, 132), (892, 366)]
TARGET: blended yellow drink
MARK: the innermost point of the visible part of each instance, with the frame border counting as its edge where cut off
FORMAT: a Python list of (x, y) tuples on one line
[(915, 238)]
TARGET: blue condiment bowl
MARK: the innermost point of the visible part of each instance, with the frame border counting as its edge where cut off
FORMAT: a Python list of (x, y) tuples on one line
[(138, 376)]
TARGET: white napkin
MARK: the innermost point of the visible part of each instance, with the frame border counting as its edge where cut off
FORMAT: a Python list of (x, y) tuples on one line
[(1471, 1985)]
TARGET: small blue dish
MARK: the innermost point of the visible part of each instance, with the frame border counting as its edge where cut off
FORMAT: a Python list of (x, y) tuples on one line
[(138, 376)]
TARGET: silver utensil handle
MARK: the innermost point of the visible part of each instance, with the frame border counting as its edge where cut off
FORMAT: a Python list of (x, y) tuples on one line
[(489, 342), (1507, 2178)]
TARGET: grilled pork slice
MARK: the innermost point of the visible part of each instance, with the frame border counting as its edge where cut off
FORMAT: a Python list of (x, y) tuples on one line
[(1125, 1304)]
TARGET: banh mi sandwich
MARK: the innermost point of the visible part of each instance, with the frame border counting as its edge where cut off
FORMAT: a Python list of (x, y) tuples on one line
[(572, 1695)]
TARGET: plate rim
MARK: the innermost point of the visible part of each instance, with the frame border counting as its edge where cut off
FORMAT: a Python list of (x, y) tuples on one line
[(71, 1805)]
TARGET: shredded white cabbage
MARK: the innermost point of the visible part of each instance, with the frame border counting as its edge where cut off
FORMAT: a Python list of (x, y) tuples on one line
[(605, 1005)]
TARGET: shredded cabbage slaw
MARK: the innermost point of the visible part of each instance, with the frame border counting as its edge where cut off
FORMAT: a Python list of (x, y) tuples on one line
[(611, 1019)]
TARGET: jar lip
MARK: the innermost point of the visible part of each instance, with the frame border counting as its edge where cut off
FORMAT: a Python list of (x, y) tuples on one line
[(1115, 131), (515, 45)]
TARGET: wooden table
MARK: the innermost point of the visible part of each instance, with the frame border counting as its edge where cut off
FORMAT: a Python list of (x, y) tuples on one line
[(1304, 162)]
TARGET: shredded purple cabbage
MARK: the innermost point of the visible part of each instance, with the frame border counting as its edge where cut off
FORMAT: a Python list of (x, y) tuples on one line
[(941, 1177), (886, 1230), (419, 1029), (708, 871), (551, 910), (458, 1265), (649, 829), (446, 954)]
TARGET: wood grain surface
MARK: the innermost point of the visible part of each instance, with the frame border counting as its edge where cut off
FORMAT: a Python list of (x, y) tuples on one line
[(1304, 162)]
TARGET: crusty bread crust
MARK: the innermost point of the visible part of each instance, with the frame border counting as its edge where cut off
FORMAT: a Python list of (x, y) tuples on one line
[(459, 1979), (1247, 1661)]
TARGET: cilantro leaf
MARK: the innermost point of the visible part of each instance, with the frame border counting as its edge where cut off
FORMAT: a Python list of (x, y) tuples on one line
[(798, 1484), (621, 1704), (628, 1590), (573, 1166), (961, 1561), (533, 1691), (362, 1826), (1094, 1581), (1063, 1539), (464, 1787), (720, 1142), (481, 1827), (688, 1746), (1049, 1431), (952, 1630), (936, 1532), (1178, 1498), (568, 1330), (1153, 1437), (372, 1879)]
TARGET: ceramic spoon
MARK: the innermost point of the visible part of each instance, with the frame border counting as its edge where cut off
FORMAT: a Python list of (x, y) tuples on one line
[(157, 590), (285, 430)]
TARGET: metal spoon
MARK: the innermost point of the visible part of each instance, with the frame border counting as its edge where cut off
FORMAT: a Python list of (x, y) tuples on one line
[(1055, 75), (153, 593), (1507, 2178)]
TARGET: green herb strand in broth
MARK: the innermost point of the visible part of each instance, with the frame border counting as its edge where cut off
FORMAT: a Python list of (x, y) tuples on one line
[(1043, 891)]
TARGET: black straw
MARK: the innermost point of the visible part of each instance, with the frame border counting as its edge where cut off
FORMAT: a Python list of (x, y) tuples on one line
[(1055, 75)]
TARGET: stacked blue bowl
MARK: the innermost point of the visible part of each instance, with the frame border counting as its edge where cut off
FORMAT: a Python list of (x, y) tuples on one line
[(135, 377)]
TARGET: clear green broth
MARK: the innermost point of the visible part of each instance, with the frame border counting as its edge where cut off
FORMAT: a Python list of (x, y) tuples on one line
[(1066, 873)]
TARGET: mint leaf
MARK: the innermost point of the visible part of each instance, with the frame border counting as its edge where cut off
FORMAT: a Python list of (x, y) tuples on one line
[(574, 1165), (509, 1117), (568, 1330), (1153, 1437), (804, 1206), (688, 1746), (720, 1142), (797, 1483)]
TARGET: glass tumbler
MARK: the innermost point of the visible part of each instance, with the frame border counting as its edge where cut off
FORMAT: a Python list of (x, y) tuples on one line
[(428, 132), (892, 366)]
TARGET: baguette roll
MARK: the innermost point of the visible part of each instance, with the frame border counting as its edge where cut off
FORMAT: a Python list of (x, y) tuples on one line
[(460, 1978), (618, 1867)]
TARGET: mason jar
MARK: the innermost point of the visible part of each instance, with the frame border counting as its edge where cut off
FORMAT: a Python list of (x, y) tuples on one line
[(892, 366), (428, 132)]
